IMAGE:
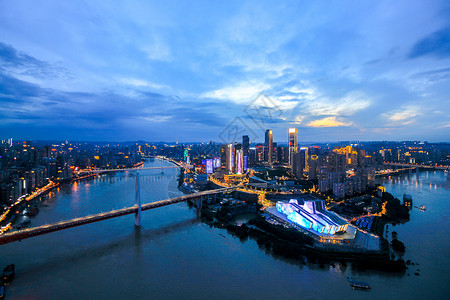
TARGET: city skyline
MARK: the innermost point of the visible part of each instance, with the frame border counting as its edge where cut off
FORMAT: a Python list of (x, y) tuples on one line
[(182, 71), (226, 149)]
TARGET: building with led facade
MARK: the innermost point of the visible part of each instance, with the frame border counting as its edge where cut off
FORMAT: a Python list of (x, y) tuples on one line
[(229, 162), (312, 215), (239, 161), (268, 146), (293, 144)]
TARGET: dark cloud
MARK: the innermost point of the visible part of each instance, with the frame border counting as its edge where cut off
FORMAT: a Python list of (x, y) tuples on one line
[(11, 57), (20, 63), (195, 115), (436, 44), (131, 67), (108, 114), (15, 88)]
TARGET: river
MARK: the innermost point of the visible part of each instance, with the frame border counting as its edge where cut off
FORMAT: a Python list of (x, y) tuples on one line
[(174, 256)]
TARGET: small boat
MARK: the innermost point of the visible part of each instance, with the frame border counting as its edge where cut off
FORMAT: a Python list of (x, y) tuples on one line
[(422, 208), (355, 284), (8, 273)]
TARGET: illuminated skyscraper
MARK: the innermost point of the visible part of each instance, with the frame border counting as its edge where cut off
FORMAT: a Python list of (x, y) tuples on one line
[(239, 157), (229, 158), (306, 166), (293, 144), (268, 146)]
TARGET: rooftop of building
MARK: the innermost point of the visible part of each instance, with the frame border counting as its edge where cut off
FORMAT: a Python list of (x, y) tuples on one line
[(349, 234)]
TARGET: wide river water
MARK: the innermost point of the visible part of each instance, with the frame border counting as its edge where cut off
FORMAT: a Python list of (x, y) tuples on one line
[(175, 256)]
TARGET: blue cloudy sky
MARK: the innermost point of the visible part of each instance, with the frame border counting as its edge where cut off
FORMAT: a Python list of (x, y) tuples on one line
[(191, 70)]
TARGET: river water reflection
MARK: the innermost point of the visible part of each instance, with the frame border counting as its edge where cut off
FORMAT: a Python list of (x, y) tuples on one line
[(174, 256)]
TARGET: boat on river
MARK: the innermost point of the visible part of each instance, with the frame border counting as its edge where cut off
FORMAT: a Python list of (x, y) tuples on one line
[(355, 284), (8, 273)]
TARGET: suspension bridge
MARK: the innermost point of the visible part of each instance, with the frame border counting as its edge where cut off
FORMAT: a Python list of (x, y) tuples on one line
[(136, 210)]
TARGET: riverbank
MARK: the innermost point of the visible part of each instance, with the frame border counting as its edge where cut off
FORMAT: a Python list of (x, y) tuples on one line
[(292, 244), (173, 245), (362, 257), (9, 217)]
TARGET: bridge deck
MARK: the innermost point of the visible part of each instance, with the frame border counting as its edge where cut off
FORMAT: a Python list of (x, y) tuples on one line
[(47, 228), (132, 169)]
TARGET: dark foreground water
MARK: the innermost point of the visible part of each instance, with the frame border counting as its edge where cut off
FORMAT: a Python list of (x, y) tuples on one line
[(174, 256)]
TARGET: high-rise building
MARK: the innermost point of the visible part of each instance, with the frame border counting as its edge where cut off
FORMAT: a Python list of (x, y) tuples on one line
[(315, 161), (275, 152), (223, 155), (339, 190), (239, 157), (293, 144), (324, 184), (268, 146), (336, 162), (349, 186), (306, 154), (298, 164), (280, 154), (259, 152), (252, 155), (286, 154), (185, 154), (229, 163), (245, 145), (335, 177)]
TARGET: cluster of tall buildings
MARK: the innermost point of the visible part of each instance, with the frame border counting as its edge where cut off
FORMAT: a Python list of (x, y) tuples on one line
[(331, 170), (237, 156), (271, 153), (341, 171), (25, 166), (234, 157)]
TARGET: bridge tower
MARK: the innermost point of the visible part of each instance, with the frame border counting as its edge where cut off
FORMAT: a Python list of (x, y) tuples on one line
[(137, 202)]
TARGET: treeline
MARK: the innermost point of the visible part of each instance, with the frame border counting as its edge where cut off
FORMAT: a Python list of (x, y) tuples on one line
[(394, 209), (398, 245)]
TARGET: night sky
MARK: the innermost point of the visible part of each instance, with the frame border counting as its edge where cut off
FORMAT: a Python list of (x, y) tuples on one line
[(186, 70)]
